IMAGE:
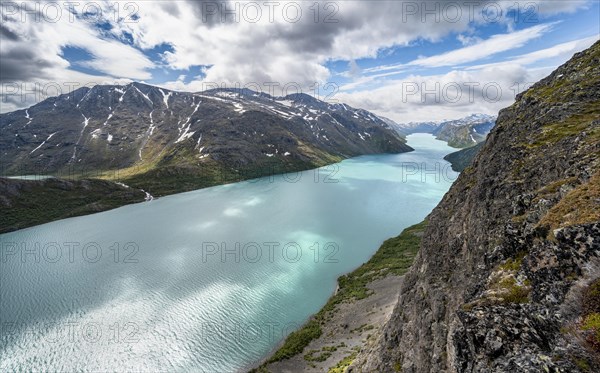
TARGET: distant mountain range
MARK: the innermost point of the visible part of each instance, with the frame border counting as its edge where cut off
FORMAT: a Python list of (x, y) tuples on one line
[(459, 133), (166, 141)]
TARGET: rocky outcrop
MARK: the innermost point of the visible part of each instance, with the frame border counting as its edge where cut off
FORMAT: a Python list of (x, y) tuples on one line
[(498, 282)]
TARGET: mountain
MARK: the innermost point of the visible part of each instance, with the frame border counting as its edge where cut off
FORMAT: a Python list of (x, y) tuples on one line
[(463, 158), (165, 141), (459, 133), (467, 131), (507, 278), (417, 127)]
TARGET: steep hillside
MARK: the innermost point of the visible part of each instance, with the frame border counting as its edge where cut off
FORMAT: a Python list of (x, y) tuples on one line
[(464, 157), (507, 276), (25, 203), (165, 141)]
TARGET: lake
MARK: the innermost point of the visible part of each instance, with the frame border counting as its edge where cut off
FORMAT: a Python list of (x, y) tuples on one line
[(206, 281)]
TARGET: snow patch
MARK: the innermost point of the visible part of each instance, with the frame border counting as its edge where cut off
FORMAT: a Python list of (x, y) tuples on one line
[(165, 97), (107, 119), (186, 134), (198, 144), (42, 144), (287, 103), (145, 96), (238, 107), (148, 196)]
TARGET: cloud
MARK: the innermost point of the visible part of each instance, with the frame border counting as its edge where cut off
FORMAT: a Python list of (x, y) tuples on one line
[(275, 46), (444, 96), (476, 89), (486, 48), (561, 51), (43, 37)]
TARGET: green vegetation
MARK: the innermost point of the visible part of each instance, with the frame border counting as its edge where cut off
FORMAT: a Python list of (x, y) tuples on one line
[(514, 293), (592, 323), (163, 181), (591, 298), (395, 256), (582, 365), (553, 188), (33, 202), (561, 87), (343, 365), (362, 328), (326, 352), (503, 285), (591, 314), (310, 356), (581, 205), (295, 342), (572, 126), (514, 264), (397, 366)]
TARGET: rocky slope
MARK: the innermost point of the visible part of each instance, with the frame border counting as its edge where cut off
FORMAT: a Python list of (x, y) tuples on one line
[(506, 279), (167, 141)]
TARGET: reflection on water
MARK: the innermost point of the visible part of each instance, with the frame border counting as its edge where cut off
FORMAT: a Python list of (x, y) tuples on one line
[(209, 280)]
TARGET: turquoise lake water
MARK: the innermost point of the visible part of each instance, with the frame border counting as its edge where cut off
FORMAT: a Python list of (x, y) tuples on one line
[(205, 281)]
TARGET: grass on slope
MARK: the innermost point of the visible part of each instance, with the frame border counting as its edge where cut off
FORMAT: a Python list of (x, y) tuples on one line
[(395, 256), (581, 205)]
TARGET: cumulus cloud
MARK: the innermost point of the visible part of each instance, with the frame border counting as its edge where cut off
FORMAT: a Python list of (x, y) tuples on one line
[(446, 96), (239, 42)]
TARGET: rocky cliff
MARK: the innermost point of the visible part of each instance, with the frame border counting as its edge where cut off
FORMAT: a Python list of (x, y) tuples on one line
[(506, 279)]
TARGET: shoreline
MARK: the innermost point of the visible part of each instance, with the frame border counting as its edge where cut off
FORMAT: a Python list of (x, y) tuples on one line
[(56, 200), (353, 317)]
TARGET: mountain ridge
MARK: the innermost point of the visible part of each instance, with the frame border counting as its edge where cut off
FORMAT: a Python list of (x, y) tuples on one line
[(143, 132), (458, 133)]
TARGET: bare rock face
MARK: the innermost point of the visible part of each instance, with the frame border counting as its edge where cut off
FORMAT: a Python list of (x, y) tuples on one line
[(508, 253)]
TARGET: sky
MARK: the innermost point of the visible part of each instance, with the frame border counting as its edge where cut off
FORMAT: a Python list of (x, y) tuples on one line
[(405, 60)]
